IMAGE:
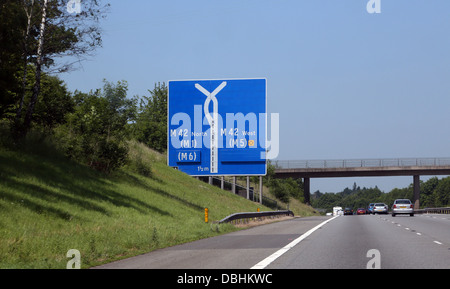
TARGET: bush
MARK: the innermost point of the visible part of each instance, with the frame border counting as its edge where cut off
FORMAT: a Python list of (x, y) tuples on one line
[(95, 133), (150, 127)]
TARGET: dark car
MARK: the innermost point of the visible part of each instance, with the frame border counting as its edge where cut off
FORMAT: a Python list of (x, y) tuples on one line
[(348, 211)]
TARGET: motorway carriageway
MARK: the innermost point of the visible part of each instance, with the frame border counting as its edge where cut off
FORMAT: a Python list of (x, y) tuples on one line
[(353, 242)]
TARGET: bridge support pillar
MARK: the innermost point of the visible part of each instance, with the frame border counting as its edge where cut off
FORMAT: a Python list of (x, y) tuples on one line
[(416, 192), (306, 191)]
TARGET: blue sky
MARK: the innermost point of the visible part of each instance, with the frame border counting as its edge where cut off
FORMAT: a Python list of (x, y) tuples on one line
[(347, 84)]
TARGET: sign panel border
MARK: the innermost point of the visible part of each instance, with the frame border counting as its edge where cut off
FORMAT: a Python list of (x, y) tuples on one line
[(219, 79)]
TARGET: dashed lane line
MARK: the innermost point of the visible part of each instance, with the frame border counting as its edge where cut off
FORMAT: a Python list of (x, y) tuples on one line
[(417, 233)]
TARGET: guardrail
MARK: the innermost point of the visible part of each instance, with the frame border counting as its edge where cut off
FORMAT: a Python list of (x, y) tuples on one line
[(363, 163), (250, 215), (445, 210)]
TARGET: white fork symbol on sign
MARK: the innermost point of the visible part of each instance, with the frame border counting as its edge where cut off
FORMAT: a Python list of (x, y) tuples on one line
[(213, 122)]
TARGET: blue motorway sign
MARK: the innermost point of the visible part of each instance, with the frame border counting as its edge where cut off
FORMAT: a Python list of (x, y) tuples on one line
[(217, 127)]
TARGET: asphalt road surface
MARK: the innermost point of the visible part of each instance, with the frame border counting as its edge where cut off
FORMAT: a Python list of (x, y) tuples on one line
[(353, 242)]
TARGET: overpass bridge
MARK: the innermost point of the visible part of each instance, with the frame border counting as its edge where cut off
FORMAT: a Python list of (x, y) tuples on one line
[(414, 167)]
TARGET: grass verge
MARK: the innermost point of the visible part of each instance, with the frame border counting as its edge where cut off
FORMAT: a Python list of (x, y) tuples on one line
[(49, 205)]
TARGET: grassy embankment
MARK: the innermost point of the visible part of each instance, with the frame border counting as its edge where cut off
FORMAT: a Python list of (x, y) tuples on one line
[(49, 205)]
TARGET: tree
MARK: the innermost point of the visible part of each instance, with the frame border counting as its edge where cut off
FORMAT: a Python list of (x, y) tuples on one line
[(39, 61), (49, 32), (53, 103), (11, 29), (316, 195), (151, 123), (442, 193), (279, 189), (328, 201), (95, 133), (427, 190), (284, 189)]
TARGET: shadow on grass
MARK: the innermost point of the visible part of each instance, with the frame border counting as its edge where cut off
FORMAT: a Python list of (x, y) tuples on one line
[(35, 207), (63, 181), (161, 192)]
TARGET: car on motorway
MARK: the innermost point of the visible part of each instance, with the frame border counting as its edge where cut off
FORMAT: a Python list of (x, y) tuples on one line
[(370, 208), (361, 211), (380, 208), (402, 206), (348, 211), (337, 211)]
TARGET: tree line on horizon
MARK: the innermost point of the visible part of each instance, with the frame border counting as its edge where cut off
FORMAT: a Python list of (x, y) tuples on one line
[(434, 193)]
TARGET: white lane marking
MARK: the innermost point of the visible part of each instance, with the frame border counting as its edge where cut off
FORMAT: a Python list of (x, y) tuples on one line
[(264, 263), (419, 234), (407, 229), (437, 242)]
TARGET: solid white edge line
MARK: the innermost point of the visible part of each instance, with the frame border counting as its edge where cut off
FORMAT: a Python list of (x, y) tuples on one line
[(264, 263)]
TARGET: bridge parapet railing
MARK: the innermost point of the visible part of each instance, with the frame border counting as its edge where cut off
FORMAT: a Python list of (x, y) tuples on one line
[(363, 163)]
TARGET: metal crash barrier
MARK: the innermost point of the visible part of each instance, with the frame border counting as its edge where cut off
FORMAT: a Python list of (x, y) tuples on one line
[(250, 215), (445, 210)]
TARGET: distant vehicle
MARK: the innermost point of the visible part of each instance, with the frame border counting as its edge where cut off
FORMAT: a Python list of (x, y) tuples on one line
[(370, 208), (380, 208), (402, 206), (361, 211), (348, 211), (337, 211)]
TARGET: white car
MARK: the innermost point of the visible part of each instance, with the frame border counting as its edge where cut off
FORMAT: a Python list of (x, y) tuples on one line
[(337, 211), (380, 208), (402, 206)]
